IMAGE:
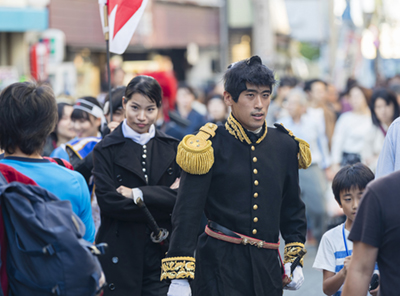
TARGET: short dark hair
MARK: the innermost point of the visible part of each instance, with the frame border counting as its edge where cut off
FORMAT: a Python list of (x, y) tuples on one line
[(309, 83), (78, 114), (146, 86), (351, 176), (247, 71), (116, 98), (288, 81), (28, 114), (389, 97), (185, 85)]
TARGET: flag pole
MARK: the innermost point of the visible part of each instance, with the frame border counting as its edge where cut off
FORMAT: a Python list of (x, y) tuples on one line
[(107, 38)]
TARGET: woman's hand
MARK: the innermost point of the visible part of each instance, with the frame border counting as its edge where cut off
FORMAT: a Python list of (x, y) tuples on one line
[(112, 125), (175, 185), (125, 191)]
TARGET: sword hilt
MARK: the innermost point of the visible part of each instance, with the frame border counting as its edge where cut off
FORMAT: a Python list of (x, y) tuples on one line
[(296, 261)]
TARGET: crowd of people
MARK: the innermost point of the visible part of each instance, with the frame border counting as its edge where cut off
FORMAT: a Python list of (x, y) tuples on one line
[(198, 164)]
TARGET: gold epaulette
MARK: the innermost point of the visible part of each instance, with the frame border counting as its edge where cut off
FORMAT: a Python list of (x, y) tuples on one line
[(177, 268), (195, 154), (304, 155), (291, 252)]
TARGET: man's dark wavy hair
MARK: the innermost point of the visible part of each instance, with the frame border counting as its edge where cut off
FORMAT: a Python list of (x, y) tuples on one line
[(247, 71), (28, 114)]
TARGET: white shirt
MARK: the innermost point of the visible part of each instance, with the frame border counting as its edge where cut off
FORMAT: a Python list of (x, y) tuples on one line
[(310, 130), (141, 139), (373, 146), (332, 251), (350, 133)]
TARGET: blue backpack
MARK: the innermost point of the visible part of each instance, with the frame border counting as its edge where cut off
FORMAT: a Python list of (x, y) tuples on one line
[(46, 254)]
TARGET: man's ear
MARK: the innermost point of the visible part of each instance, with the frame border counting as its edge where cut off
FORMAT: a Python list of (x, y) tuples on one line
[(124, 101), (228, 99)]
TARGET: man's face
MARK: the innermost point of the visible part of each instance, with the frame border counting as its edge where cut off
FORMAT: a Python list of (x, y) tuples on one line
[(252, 106), (318, 92), (294, 106)]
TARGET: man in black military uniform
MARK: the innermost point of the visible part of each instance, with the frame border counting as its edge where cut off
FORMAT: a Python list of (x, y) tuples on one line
[(244, 175)]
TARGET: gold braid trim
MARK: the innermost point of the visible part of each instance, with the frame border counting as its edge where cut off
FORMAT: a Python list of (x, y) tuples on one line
[(195, 154), (263, 136), (304, 155), (239, 129), (230, 130), (291, 251), (177, 268), (236, 129)]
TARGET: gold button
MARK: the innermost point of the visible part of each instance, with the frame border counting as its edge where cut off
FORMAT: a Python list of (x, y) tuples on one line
[(254, 159), (256, 182), (255, 207), (253, 148), (255, 220), (255, 195), (254, 231), (255, 171)]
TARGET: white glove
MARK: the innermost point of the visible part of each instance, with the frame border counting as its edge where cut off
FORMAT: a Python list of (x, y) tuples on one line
[(137, 193), (297, 277), (179, 287)]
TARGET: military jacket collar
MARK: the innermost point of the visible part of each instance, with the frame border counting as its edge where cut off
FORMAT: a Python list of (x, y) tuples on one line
[(162, 153), (236, 129)]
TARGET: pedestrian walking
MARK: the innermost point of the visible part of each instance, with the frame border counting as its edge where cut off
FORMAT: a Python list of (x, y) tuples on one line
[(335, 251), (376, 238), (135, 161), (244, 176)]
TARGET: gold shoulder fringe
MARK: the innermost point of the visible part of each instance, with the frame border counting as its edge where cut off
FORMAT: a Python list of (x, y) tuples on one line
[(291, 251), (177, 268), (304, 155), (195, 154)]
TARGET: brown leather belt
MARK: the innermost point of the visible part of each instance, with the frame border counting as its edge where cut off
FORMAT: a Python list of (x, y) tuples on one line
[(241, 239)]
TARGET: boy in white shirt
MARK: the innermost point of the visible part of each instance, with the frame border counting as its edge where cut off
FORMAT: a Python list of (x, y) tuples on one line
[(334, 252)]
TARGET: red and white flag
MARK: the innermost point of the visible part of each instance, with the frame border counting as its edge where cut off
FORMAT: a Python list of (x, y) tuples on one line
[(123, 18)]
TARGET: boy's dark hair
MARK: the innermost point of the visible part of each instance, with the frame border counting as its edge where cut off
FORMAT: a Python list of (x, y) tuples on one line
[(308, 84), (247, 71), (351, 176), (116, 99), (146, 86), (28, 114), (390, 99), (78, 114)]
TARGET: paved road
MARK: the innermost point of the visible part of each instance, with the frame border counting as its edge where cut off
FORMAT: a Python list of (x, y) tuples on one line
[(312, 285)]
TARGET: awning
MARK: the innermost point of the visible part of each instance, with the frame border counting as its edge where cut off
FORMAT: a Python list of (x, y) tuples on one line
[(23, 19)]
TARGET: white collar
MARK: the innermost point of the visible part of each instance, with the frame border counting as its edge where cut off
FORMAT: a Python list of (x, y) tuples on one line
[(141, 139)]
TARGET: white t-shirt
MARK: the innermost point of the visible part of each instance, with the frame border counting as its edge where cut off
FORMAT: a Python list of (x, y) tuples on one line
[(350, 133), (332, 251)]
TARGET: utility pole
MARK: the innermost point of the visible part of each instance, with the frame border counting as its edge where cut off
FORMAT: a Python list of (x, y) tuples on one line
[(263, 33), (223, 35)]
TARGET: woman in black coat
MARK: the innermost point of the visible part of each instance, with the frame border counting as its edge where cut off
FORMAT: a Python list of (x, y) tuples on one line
[(135, 161)]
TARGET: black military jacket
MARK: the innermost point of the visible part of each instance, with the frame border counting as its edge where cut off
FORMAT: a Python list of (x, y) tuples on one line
[(251, 189), (118, 161)]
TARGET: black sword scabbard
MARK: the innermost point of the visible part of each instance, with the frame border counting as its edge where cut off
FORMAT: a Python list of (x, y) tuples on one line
[(296, 261)]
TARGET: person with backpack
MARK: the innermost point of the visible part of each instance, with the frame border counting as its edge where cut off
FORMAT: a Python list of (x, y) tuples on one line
[(39, 233), (28, 114)]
